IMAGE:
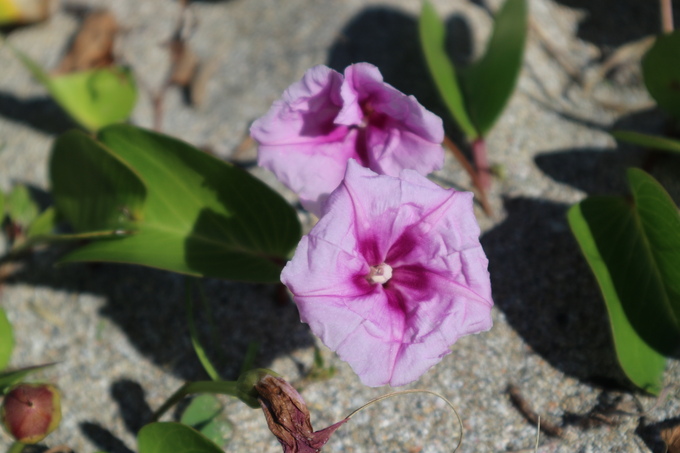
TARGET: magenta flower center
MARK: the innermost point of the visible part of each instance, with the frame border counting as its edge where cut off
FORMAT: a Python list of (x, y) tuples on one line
[(380, 274)]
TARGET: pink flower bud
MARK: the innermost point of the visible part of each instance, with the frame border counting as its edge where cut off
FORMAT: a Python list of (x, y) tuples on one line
[(31, 411)]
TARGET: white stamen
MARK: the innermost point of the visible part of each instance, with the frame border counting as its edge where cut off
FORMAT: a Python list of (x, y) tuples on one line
[(380, 274)]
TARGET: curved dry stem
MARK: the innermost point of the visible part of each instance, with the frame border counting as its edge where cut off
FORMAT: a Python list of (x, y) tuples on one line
[(406, 392)]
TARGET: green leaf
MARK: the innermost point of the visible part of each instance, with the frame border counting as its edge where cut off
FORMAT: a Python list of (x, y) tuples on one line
[(633, 248), (21, 207), (2, 206), (6, 339), (92, 188), (230, 388), (193, 333), (489, 82), (9, 378), (661, 72), (200, 216), (43, 224), (205, 414), (649, 141), (97, 97), (432, 38), (164, 437)]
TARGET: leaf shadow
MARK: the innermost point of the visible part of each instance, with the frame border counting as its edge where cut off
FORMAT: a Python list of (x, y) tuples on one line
[(148, 306), (608, 28), (546, 292), (39, 113), (132, 405), (598, 171), (103, 438)]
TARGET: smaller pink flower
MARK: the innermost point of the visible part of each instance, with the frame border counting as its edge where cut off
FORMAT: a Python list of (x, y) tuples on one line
[(325, 119), (392, 275)]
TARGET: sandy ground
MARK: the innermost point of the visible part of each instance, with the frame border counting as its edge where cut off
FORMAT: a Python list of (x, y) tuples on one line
[(118, 332)]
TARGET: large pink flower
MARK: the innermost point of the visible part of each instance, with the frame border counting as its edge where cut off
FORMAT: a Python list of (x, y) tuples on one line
[(325, 119), (392, 275)]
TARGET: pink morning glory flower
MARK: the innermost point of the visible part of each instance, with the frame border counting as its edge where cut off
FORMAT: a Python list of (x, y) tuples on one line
[(325, 119), (392, 275)]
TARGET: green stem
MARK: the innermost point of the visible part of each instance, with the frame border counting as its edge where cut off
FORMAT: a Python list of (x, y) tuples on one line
[(215, 387), (193, 333), (251, 354)]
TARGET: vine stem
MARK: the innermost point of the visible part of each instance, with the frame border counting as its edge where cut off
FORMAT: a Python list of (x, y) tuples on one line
[(474, 176), (406, 392), (218, 387)]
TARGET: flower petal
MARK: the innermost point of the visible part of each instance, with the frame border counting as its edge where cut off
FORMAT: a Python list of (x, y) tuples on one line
[(401, 133), (306, 111), (439, 289), (299, 142)]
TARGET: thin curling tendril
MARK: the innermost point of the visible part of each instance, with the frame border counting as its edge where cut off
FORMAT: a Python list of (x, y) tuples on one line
[(405, 392)]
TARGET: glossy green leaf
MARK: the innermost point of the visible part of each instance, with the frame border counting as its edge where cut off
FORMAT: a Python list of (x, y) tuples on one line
[(432, 39), (9, 378), (649, 141), (489, 82), (633, 248), (95, 98), (200, 217), (165, 437), (661, 72), (6, 339), (20, 205), (92, 188), (205, 414)]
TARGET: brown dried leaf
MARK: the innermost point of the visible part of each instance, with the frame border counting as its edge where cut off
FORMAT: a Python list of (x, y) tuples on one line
[(93, 45), (199, 83), (184, 62), (671, 436)]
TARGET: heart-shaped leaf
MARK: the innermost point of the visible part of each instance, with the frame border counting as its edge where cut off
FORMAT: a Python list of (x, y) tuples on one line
[(6, 339), (21, 207), (95, 98), (432, 38), (92, 187), (650, 141), (633, 248), (661, 72), (489, 82), (164, 437), (200, 216)]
